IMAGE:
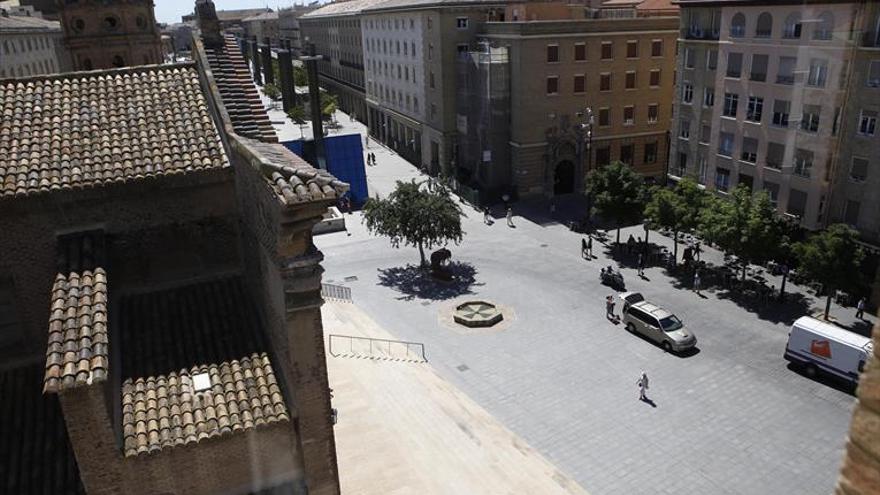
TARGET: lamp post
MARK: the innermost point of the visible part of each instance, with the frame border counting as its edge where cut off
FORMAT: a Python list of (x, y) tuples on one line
[(587, 135)]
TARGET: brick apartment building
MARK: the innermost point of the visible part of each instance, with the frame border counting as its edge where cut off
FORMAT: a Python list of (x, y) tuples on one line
[(160, 325), (554, 65)]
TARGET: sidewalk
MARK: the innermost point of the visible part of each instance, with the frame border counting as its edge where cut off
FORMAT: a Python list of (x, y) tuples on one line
[(403, 429)]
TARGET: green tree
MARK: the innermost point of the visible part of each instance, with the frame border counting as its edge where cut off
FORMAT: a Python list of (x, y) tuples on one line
[(664, 209), (745, 225), (415, 216), (300, 76), (297, 114), (617, 193), (833, 258), (272, 91), (329, 104)]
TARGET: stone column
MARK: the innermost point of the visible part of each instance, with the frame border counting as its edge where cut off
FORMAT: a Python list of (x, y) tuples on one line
[(255, 59), (266, 54), (285, 70), (307, 366)]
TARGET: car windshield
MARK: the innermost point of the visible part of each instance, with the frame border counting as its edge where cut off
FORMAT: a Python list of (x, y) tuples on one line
[(670, 324)]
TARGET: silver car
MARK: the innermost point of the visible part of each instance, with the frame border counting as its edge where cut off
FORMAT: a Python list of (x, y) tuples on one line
[(655, 323)]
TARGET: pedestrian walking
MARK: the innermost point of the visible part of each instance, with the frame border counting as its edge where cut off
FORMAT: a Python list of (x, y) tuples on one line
[(641, 264), (697, 251), (590, 245), (609, 308), (487, 218), (509, 216), (583, 248), (860, 309), (367, 141), (643, 386), (373, 156), (697, 282), (630, 244)]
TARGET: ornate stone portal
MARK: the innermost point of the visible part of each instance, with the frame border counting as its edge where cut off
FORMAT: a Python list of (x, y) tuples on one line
[(477, 314)]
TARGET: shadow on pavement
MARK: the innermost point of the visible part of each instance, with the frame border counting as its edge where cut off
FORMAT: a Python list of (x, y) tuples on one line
[(825, 379), (414, 282), (861, 327)]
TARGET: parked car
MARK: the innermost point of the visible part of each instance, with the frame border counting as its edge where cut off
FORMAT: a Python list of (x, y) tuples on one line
[(655, 323), (819, 346)]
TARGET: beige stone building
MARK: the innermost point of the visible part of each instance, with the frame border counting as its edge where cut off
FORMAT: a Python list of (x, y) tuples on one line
[(101, 35), (261, 26), (30, 45), (565, 64)]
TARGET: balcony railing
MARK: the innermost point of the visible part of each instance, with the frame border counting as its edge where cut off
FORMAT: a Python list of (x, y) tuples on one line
[(701, 34), (785, 79)]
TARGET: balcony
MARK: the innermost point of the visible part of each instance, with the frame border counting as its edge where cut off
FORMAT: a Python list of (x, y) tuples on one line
[(697, 33), (785, 79)]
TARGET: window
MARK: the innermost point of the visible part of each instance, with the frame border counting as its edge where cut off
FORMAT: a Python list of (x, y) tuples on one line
[(874, 74), (605, 82), (702, 167), (579, 84), (810, 118), (738, 25), (687, 92), (825, 27), (632, 49), (797, 202), (734, 64), (552, 53), (712, 59), (772, 190), (684, 129), (803, 162), (656, 48), (652, 113), (775, 155), (433, 111), (859, 169), (759, 67), (792, 29), (818, 73), (725, 144), (603, 155), (111, 23), (580, 52), (461, 22), (651, 152), (706, 134), (604, 117), (607, 52), (745, 180), (722, 179), (682, 165), (552, 85), (461, 48), (867, 122), (689, 58), (764, 28), (630, 80), (781, 110), (431, 79), (708, 97), (851, 212), (731, 102), (627, 151), (430, 51), (749, 150), (654, 80), (629, 115), (755, 109)]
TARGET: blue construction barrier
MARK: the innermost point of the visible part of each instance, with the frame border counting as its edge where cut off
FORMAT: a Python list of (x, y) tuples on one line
[(345, 160)]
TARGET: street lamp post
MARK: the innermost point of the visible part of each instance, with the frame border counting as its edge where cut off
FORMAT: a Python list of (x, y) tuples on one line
[(587, 127)]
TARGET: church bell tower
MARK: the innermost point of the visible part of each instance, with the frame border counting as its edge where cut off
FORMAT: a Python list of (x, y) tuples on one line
[(103, 34)]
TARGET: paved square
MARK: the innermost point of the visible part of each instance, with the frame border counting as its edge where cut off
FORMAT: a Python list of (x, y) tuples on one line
[(731, 418)]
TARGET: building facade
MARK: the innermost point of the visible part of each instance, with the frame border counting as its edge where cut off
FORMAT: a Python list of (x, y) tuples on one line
[(262, 26), (856, 176), (761, 97), (289, 26), (30, 45), (101, 35), (584, 91)]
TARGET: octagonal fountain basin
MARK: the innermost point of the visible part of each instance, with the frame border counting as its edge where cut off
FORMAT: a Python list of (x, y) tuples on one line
[(475, 314)]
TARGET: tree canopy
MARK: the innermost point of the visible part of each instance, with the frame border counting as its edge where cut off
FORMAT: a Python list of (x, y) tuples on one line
[(272, 91), (745, 225), (297, 114), (415, 216), (617, 193), (833, 258)]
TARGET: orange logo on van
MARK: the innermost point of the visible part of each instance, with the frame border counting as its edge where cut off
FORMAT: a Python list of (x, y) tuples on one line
[(821, 348)]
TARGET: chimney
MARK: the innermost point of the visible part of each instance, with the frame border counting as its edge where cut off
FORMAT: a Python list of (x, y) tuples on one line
[(208, 23)]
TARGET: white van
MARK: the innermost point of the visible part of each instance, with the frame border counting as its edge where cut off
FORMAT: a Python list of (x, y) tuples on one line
[(817, 345)]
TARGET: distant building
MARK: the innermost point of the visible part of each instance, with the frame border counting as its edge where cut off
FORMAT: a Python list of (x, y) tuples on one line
[(30, 45), (231, 21), (565, 63), (289, 25), (261, 26), (181, 37), (112, 33)]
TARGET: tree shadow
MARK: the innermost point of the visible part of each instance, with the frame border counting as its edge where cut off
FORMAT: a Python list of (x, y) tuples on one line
[(415, 282), (861, 327)]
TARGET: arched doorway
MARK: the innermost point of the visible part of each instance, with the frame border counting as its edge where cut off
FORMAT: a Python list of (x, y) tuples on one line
[(563, 178)]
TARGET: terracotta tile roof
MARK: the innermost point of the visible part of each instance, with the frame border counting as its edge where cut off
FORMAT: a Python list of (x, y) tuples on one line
[(294, 179), (169, 337), (87, 129), (36, 457), (77, 350), (240, 97)]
